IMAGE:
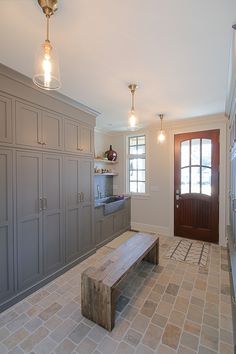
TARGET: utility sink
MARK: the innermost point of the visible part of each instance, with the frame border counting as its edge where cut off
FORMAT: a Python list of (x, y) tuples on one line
[(111, 204)]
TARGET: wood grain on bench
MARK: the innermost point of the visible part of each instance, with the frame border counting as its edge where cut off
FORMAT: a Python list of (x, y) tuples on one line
[(98, 283)]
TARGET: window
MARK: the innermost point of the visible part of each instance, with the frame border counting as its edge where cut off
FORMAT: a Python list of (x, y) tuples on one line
[(196, 166), (137, 164)]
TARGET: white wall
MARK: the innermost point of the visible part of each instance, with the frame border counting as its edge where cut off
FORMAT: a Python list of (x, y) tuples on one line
[(155, 211)]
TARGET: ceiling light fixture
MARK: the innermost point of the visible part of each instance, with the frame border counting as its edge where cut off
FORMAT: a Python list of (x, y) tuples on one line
[(133, 121), (46, 71), (161, 134)]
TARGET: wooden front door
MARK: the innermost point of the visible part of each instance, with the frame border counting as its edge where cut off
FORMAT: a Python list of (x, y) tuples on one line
[(196, 193)]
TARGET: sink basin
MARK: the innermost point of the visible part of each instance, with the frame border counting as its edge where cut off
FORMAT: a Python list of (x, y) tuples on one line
[(111, 204)]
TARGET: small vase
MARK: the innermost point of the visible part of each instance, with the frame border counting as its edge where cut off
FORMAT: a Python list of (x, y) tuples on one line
[(111, 154)]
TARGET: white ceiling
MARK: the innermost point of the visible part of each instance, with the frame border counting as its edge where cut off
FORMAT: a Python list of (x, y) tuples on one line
[(176, 50)]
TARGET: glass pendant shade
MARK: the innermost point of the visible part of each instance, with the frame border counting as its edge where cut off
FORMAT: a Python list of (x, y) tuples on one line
[(46, 69), (161, 136), (132, 120)]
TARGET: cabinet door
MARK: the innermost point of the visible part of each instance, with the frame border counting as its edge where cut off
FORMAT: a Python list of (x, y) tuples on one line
[(71, 178), (107, 227), (5, 120), (28, 125), (29, 218), (52, 213), (85, 139), (86, 242), (52, 131), (85, 180), (86, 212), (6, 232), (71, 136)]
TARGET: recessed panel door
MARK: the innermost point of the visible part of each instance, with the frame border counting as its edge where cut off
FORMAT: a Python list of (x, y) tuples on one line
[(6, 223), (52, 131), (72, 201), (86, 212), (53, 233), (196, 197), (29, 218), (85, 139), (5, 120), (28, 125), (71, 136)]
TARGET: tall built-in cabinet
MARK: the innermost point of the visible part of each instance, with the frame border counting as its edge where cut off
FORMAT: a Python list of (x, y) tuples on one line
[(46, 185)]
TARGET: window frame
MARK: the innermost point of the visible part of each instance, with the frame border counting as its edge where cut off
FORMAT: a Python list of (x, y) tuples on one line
[(128, 157)]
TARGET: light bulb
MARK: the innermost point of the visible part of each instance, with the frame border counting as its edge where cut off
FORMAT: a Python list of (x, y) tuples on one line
[(161, 136), (132, 120), (47, 64)]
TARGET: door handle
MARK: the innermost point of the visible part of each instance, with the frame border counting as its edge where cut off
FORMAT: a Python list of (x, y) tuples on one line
[(78, 198)]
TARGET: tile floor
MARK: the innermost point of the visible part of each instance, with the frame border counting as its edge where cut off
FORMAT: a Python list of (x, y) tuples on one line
[(170, 308)]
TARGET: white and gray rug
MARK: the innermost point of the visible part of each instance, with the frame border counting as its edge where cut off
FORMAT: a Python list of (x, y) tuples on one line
[(192, 252)]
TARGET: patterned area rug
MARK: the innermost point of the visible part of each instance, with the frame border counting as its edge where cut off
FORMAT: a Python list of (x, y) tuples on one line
[(192, 252)]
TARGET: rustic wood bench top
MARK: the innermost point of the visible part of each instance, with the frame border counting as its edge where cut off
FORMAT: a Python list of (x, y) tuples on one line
[(119, 262), (98, 284)]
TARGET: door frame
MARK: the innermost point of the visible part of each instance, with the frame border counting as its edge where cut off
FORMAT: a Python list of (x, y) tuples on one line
[(217, 123)]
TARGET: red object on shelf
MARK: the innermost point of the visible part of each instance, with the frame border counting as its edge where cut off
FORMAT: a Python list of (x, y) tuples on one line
[(111, 154)]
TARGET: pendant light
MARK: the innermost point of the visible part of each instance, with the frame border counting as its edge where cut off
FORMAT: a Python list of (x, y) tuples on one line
[(161, 134), (46, 71), (133, 121)]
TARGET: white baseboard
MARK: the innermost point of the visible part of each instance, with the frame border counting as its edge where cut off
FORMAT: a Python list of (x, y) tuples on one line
[(151, 228)]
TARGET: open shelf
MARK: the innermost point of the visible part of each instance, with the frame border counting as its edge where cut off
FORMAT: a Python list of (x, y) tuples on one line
[(105, 161), (106, 174)]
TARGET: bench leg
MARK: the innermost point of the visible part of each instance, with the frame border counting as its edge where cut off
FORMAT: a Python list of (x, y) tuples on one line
[(153, 255), (97, 302)]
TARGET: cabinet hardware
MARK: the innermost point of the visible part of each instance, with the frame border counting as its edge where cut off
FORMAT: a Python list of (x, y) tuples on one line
[(233, 300), (44, 143), (80, 149), (39, 142), (40, 204), (82, 197), (78, 198), (45, 203)]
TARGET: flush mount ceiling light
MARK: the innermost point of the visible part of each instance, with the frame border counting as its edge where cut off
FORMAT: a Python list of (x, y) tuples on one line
[(46, 71), (161, 134), (133, 121)]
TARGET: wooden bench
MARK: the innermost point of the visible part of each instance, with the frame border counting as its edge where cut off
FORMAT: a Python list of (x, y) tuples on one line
[(98, 284)]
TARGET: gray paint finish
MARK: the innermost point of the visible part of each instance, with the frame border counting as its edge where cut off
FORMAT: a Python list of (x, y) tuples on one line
[(6, 230)]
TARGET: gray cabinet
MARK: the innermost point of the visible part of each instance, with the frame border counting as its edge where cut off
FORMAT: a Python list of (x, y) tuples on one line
[(78, 199), (5, 119), (108, 227), (39, 216), (78, 137), (37, 128), (29, 218), (52, 210), (6, 226), (52, 131), (28, 122)]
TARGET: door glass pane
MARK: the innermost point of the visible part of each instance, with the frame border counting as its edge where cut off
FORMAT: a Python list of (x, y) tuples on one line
[(141, 164), (206, 152), (195, 179), (133, 187), (195, 152), (206, 181), (185, 153), (141, 187), (141, 176), (133, 175), (185, 180)]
